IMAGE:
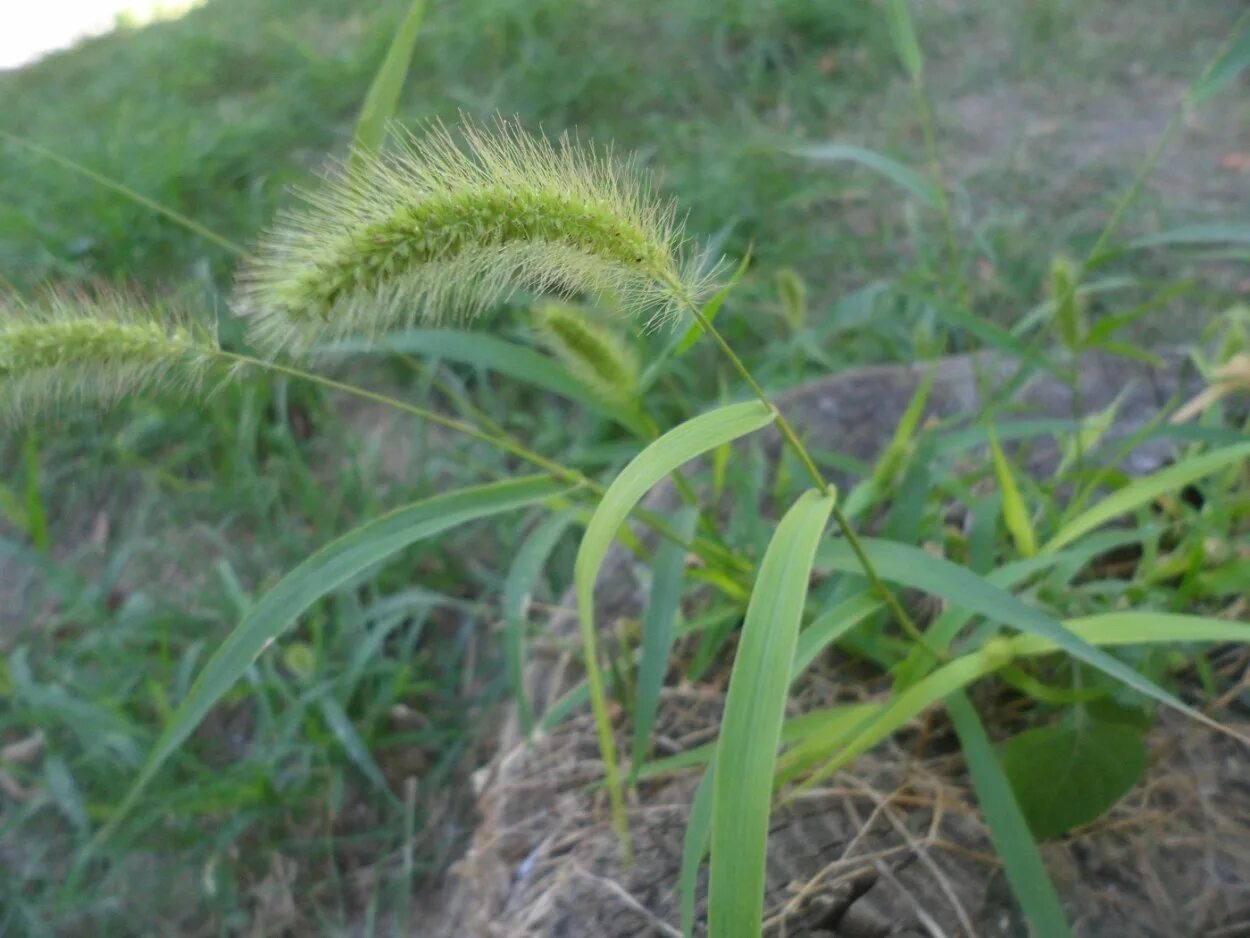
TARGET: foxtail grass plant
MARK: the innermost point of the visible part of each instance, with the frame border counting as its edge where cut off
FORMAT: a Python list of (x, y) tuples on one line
[(65, 347), (447, 224), (592, 352)]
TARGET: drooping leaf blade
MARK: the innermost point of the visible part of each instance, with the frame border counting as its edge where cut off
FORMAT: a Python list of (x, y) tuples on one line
[(317, 576), (754, 711), (919, 569), (676, 447), (907, 179), (489, 352)]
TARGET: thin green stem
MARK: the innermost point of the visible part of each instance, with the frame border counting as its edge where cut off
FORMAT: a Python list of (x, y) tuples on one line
[(190, 224), (734, 566), (796, 445), (938, 177)]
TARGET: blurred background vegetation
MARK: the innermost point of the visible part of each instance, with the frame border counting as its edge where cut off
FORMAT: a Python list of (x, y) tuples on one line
[(333, 780)]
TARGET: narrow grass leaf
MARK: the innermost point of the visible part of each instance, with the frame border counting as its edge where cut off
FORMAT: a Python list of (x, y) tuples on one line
[(357, 751), (902, 176), (489, 352), (1210, 234), (383, 96), (673, 449), (1009, 832), (694, 848), (1111, 629), (518, 587), (903, 36), (1015, 512), (754, 711), (913, 567), (667, 577), (905, 706), (830, 626), (317, 576), (1145, 490), (1234, 60)]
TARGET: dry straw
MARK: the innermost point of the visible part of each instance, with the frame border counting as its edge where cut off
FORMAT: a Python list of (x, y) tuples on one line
[(67, 347), (449, 223)]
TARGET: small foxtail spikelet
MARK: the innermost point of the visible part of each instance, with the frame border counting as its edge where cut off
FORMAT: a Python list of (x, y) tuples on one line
[(450, 223), (72, 347), (592, 353)]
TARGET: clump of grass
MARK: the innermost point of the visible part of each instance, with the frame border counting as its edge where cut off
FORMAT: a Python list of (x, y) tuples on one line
[(592, 352), (74, 347), (451, 222)]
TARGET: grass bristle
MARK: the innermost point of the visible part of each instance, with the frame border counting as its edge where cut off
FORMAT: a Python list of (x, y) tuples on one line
[(448, 223), (65, 348), (591, 351)]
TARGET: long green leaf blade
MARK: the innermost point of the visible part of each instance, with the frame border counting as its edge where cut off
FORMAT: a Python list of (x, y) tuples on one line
[(1109, 629), (383, 95), (1022, 860), (1145, 490), (694, 848), (518, 586), (485, 351), (317, 576), (903, 36), (902, 176), (668, 574), (1212, 233), (754, 710), (918, 569), (1234, 60), (673, 449)]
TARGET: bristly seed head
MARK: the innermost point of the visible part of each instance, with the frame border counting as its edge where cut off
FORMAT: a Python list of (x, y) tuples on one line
[(592, 353), (448, 224), (65, 347)]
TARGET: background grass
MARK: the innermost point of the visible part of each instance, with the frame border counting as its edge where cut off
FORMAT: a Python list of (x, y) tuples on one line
[(162, 523)]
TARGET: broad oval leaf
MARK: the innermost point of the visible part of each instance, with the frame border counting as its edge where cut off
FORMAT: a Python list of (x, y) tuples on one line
[(1071, 773), (675, 448), (754, 711), (314, 578)]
